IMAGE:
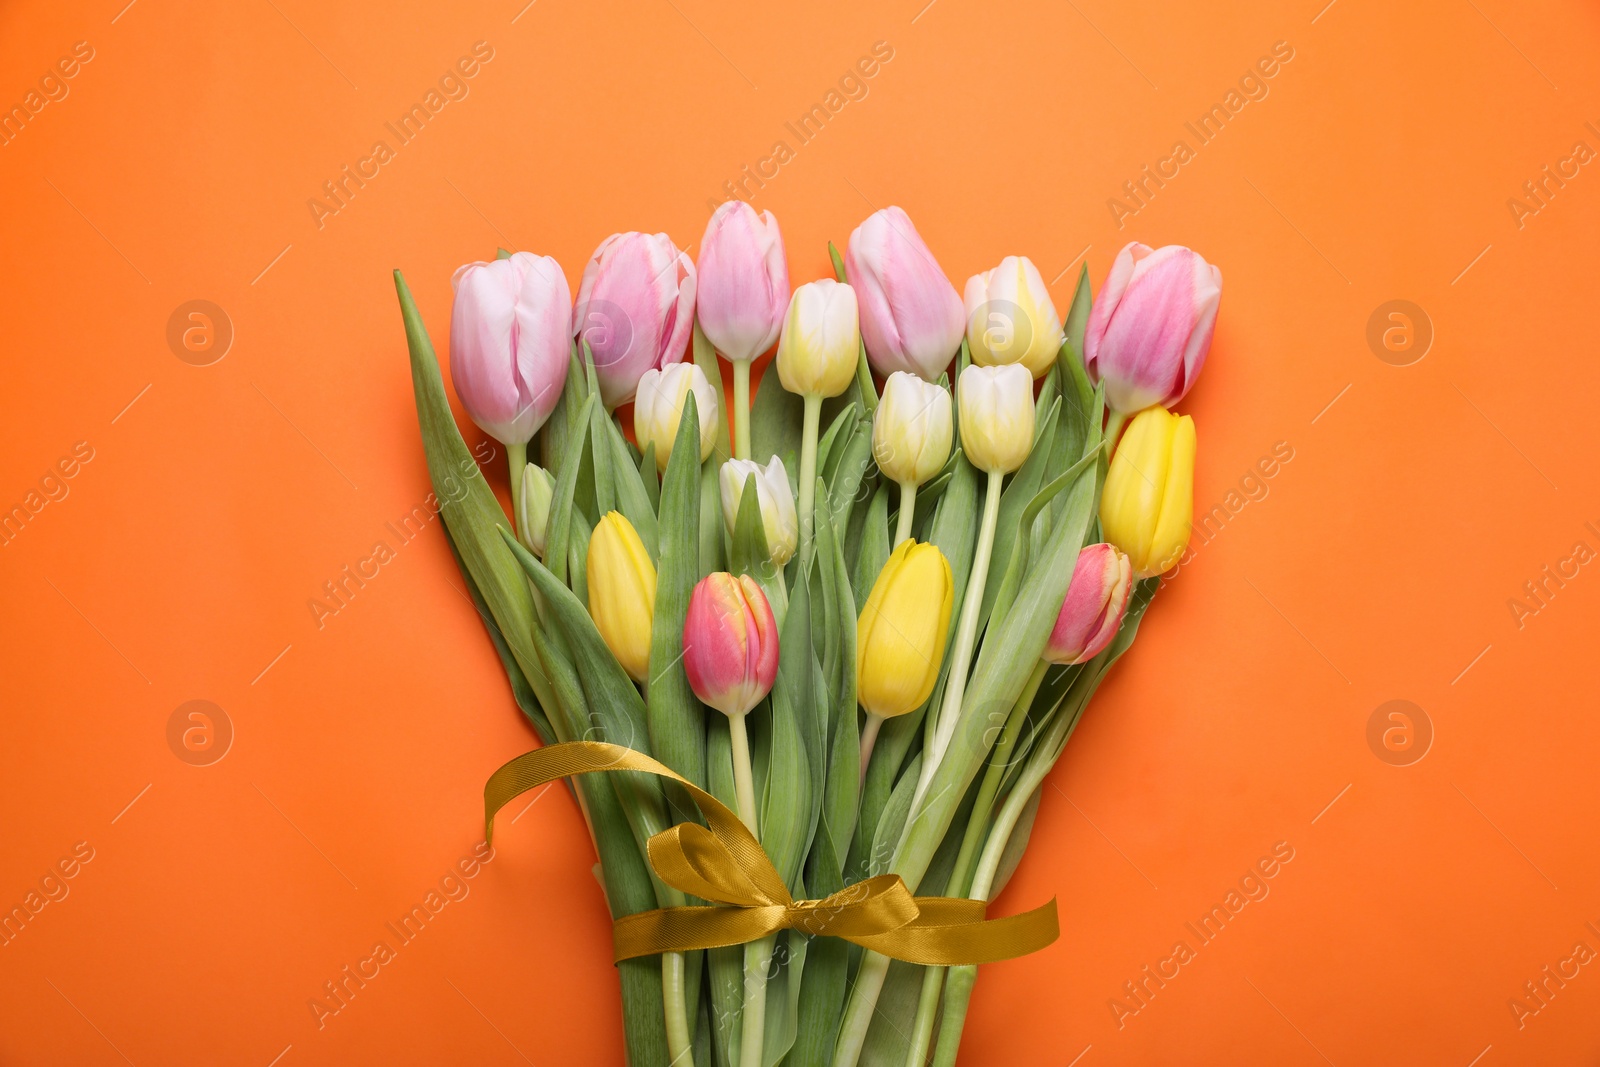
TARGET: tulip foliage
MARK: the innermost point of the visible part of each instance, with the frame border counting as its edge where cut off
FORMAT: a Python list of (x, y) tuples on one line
[(867, 620)]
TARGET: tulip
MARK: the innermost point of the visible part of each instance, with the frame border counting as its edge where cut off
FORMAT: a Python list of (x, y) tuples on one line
[(911, 316), (534, 516), (996, 411), (1151, 326), (1148, 500), (635, 310), (743, 291), (996, 416), (730, 643), (508, 343), (1097, 599), (901, 633), (508, 349), (1011, 319), (817, 357), (622, 592), (778, 517), (817, 349), (658, 408), (911, 433)]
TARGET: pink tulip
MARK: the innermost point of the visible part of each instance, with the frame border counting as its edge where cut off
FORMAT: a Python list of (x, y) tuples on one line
[(1151, 326), (508, 343), (1097, 599), (743, 282), (635, 309), (911, 316), (730, 643)]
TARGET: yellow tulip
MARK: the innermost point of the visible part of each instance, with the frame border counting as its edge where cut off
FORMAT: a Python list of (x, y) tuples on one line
[(1148, 502), (901, 633), (622, 592)]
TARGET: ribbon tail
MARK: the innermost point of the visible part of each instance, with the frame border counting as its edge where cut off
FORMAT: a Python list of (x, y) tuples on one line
[(947, 934)]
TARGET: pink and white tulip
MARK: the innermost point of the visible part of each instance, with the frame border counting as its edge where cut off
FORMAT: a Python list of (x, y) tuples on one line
[(911, 316), (635, 310), (743, 284), (1097, 599), (730, 643), (508, 343), (1151, 326)]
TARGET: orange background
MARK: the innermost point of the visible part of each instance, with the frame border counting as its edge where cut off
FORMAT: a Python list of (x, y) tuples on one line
[(1379, 565)]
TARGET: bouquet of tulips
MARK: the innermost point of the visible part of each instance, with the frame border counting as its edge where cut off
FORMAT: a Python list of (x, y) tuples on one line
[(829, 658)]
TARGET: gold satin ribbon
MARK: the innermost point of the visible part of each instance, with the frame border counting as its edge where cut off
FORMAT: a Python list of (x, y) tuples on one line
[(727, 864)]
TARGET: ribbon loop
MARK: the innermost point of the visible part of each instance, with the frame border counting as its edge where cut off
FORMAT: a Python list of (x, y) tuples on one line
[(722, 861)]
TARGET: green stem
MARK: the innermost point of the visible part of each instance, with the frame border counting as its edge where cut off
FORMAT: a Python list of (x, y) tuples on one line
[(808, 473), (863, 1004), (999, 761), (743, 783), (1114, 424), (757, 960), (869, 737), (757, 954), (966, 636), (922, 1029), (1064, 720), (680, 1043), (741, 409), (516, 460), (908, 511)]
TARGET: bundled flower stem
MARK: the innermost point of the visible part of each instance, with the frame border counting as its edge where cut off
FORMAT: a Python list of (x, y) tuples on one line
[(892, 693)]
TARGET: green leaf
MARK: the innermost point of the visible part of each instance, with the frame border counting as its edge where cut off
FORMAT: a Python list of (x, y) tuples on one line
[(651, 477), (775, 421), (677, 720), (501, 253), (556, 437), (786, 803), (705, 357), (632, 498), (843, 424), (521, 691), (1004, 662), (783, 997), (605, 499), (750, 555), (711, 521), (1018, 494), (892, 823), (955, 530), (848, 478), (873, 553), (629, 887), (563, 497), (468, 505), (617, 711)]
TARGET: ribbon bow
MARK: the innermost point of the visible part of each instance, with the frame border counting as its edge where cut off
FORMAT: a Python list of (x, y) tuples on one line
[(724, 862)]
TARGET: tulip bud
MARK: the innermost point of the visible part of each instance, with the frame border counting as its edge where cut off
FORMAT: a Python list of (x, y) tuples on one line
[(911, 430), (901, 635), (1148, 500), (730, 643), (817, 351), (996, 416), (911, 317), (622, 592), (778, 516), (1011, 319), (1097, 599), (1151, 326), (658, 408), (743, 284), (537, 489), (508, 343), (635, 309)]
